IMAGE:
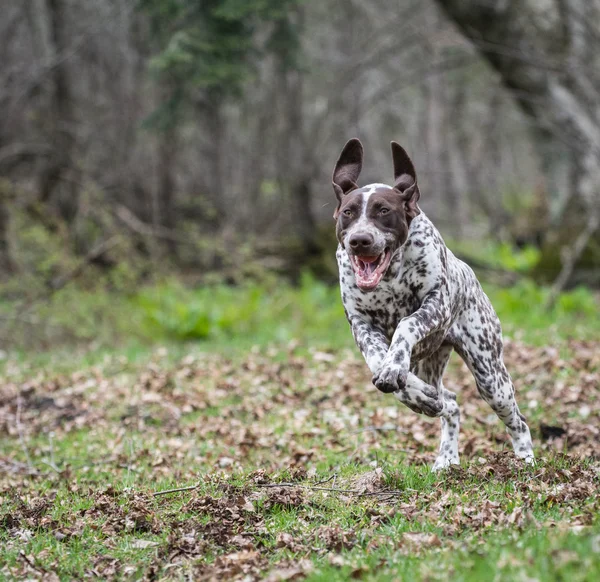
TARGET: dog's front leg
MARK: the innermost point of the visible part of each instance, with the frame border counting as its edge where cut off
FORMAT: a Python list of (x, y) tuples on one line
[(433, 315), (417, 395), (371, 342)]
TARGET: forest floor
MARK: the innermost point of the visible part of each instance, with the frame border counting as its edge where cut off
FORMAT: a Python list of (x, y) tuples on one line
[(296, 468)]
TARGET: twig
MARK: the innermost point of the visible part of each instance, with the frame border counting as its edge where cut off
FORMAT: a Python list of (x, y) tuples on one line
[(374, 429), (392, 493), (94, 253), (18, 151), (8, 466), (167, 491), (326, 480), (52, 466), (140, 227), (330, 489), (33, 565), (52, 459), (300, 486), (297, 485), (571, 256)]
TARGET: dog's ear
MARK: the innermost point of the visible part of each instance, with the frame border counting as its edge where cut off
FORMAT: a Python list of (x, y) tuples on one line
[(405, 179), (347, 170)]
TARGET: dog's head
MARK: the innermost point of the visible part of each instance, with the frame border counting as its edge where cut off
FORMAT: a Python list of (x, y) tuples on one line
[(373, 221)]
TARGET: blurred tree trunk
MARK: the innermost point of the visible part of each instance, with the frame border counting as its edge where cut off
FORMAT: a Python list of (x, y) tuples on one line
[(297, 155), (295, 164), (216, 157), (498, 217), (441, 185), (469, 153), (6, 264), (167, 155), (55, 178), (434, 122), (544, 53), (457, 162)]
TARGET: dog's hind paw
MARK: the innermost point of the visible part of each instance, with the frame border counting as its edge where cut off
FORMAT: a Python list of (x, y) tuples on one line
[(529, 460), (443, 462)]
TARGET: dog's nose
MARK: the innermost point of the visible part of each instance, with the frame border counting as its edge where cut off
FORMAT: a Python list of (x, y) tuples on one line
[(361, 242)]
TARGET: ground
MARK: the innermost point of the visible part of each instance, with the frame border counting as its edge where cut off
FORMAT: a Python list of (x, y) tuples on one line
[(296, 467)]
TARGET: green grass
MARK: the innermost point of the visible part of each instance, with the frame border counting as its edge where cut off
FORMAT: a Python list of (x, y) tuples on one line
[(99, 436), (236, 390), (531, 555), (358, 537), (236, 318)]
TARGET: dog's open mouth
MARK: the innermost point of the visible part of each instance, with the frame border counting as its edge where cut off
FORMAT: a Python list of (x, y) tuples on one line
[(368, 270)]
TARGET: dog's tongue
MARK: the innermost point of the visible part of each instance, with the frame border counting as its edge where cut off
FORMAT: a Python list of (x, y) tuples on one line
[(367, 265), (369, 270)]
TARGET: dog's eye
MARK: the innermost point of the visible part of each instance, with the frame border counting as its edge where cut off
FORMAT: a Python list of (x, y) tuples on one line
[(348, 212), (384, 210)]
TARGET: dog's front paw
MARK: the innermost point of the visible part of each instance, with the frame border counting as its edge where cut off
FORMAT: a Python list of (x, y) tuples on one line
[(391, 378)]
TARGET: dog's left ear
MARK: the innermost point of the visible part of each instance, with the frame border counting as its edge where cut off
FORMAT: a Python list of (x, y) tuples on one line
[(405, 180), (347, 170)]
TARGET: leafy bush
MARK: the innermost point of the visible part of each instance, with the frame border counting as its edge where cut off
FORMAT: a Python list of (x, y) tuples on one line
[(272, 311), (278, 312), (499, 255), (514, 259), (580, 301), (521, 309), (313, 311)]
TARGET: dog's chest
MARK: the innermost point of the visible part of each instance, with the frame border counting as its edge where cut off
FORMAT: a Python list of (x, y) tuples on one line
[(394, 298)]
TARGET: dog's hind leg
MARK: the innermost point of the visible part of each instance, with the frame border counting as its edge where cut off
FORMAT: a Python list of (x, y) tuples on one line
[(482, 351), (430, 371)]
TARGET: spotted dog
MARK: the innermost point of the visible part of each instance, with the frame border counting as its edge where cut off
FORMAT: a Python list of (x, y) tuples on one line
[(410, 302)]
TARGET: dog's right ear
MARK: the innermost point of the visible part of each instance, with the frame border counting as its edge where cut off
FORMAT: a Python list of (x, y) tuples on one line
[(405, 180), (347, 170)]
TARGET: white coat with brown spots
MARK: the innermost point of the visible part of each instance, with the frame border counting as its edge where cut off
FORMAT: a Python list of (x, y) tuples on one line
[(410, 302)]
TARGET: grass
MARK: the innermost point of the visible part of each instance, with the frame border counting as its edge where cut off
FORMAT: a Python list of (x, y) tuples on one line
[(94, 442), (263, 416), (236, 318)]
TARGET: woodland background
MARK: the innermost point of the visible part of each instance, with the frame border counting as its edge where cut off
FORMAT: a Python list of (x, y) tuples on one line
[(144, 139), (180, 395)]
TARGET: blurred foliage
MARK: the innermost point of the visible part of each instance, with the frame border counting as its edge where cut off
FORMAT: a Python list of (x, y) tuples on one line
[(550, 262), (276, 312), (280, 312), (499, 255), (239, 292), (272, 311), (522, 311), (209, 46)]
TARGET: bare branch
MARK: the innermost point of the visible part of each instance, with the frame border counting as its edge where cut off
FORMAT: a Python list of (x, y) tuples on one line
[(177, 490), (570, 258)]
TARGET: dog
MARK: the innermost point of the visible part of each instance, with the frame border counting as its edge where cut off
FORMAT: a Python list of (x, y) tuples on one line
[(410, 302)]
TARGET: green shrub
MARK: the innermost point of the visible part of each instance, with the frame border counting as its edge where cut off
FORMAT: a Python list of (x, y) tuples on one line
[(514, 259), (309, 314), (278, 312), (580, 301), (522, 308), (499, 255)]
